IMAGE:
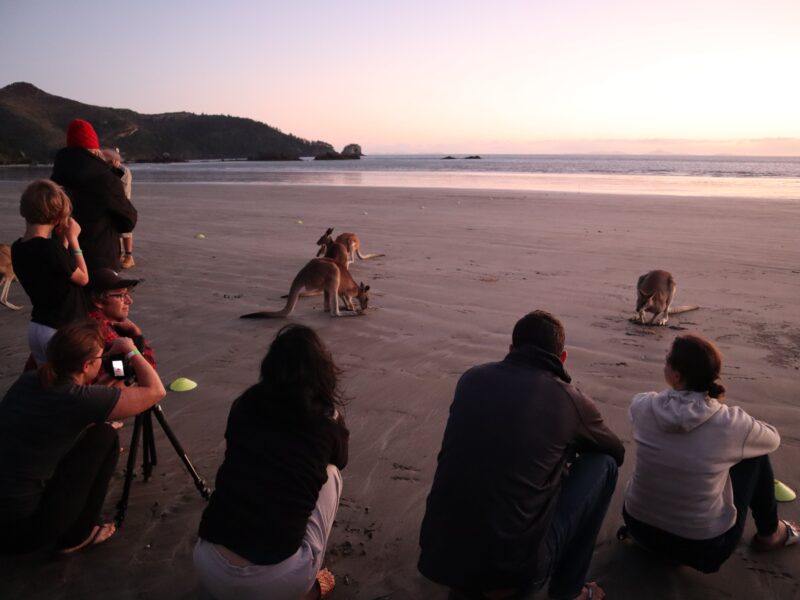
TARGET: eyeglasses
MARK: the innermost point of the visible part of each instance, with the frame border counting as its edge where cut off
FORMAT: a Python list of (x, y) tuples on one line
[(125, 296)]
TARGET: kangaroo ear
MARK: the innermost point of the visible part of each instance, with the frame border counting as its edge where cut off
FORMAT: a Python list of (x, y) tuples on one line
[(366, 289), (330, 231)]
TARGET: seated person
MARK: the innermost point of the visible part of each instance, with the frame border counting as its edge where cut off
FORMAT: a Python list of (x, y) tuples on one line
[(700, 465), (111, 300), (49, 264), (264, 532), (524, 477), (57, 454)]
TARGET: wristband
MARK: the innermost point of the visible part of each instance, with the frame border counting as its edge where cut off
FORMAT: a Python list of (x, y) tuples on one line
[(76, 252), (132, 353)]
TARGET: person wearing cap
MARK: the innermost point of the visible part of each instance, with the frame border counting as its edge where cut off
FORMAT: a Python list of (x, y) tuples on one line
[(114, 158), (110, 298), (98, 196)]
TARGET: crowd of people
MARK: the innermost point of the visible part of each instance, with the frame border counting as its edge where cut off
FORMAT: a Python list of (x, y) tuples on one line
[(525, 474)]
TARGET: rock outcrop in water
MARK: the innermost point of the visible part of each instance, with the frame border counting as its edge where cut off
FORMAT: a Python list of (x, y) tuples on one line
[(350, 152)]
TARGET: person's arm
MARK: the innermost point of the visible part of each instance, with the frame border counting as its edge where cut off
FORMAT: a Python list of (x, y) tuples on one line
[(69, 232), (123, 212), (341, 442), (762, 439), (593, 434), (148, 390)]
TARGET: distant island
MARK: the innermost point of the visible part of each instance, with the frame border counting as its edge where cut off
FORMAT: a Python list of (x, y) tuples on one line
[(472, 157), (33, 127)]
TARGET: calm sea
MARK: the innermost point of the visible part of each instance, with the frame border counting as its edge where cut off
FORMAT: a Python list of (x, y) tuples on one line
[(727, 176)]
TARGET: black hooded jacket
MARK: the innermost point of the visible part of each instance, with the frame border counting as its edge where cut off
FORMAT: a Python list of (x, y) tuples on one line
[(512, 428), (99, 204)]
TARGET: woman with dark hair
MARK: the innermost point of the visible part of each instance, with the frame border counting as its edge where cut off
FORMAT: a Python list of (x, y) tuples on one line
[(57, 452), (264, 532), (700, 466)]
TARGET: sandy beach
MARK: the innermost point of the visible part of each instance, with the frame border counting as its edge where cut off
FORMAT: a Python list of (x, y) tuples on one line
[(460, 268)]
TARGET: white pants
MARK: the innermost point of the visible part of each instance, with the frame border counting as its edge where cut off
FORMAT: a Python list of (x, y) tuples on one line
[(289, 579), (38, 337)]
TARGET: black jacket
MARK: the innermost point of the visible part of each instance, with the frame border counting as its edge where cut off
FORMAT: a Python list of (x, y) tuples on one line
[(99, 204), (512, 428)]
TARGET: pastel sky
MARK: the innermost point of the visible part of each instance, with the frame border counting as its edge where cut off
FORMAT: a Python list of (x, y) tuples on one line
[(699, 76)]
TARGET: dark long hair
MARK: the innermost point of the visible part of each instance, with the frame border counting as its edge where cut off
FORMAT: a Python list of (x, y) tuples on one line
[(68, 349), (298, 376), (699, 362)]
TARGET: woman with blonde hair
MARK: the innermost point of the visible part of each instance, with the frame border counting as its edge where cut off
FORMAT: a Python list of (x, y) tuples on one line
[(701, 465)]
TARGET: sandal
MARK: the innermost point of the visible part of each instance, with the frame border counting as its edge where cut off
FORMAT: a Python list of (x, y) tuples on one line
[(100, 534), (326, 582), (792, 537)]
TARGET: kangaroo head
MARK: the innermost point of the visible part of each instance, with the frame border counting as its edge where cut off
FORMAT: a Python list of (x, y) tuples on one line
[(324, 241), (363, 297)]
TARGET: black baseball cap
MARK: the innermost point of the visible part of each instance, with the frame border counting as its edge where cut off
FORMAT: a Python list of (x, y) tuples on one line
[(103, 280)]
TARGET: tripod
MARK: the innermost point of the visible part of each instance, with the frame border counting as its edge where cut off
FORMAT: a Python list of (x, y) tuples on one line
[(143, 429)]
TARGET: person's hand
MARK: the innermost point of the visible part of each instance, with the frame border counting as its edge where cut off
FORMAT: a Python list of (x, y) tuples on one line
[(122, 345), (69, 230), (127, 328)]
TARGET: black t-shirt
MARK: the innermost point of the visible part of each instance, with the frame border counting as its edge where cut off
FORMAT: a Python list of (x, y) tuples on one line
[(270, 479), (38, 426), (44, 267)]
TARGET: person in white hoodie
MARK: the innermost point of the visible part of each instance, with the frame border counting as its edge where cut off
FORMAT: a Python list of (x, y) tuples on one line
[(700, 465)]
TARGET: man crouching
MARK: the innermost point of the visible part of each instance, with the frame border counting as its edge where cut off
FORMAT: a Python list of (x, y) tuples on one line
[(525, 475), (110, 301)]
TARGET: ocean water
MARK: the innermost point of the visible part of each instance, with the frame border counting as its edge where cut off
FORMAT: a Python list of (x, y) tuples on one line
[(725, 176)]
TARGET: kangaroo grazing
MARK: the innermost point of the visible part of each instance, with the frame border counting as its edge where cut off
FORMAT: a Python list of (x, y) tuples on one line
[(325, 275), (349, 240), (655, 292), (7, 271)]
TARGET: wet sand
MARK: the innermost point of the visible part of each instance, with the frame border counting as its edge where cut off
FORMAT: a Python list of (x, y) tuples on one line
[(460, 268)]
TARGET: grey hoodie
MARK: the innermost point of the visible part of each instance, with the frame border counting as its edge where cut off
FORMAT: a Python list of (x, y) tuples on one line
[(685, 444)]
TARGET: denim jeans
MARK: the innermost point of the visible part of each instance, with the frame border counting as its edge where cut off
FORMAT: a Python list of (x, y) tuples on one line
[(753, 488), (568, 546)]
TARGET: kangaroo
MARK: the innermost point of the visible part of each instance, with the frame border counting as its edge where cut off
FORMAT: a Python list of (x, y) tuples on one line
[(7, 271), (655, 292), (322, 274), (349, 240)]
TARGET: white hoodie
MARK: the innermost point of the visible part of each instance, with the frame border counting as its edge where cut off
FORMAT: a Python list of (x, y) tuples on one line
[(685, 444)]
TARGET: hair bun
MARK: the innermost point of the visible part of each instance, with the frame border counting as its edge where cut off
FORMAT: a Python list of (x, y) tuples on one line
[(716, 390)]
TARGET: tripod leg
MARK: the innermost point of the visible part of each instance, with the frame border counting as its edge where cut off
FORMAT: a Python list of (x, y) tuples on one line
[(122, 505), (199, 482), (148, 445)]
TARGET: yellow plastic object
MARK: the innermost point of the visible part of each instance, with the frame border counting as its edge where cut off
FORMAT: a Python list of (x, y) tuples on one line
[(783, 493), (182, 384), (299, 222), (199, 236)]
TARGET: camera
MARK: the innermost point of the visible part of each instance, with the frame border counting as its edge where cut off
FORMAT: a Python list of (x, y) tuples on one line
[(119, 367)]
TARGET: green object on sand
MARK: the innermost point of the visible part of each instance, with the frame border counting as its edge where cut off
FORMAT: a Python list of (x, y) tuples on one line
[(181, 384), (783, 493), (199, 236)]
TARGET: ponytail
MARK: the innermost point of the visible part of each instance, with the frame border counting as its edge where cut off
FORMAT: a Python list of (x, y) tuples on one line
[(716, 390)]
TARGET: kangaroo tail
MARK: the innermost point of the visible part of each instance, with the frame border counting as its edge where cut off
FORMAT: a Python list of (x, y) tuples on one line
[(294, 294), (367, 256), (676, 310)]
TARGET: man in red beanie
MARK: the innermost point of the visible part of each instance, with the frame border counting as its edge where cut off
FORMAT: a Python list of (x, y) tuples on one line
[(99, 204)]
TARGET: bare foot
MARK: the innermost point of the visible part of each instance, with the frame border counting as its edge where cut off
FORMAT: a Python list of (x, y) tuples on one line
[(99, 534), (591, 591)]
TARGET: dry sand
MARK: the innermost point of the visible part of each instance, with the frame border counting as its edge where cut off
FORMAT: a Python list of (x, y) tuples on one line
[(460, 268)]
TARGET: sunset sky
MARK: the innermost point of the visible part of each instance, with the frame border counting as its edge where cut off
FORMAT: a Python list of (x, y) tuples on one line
[(699, 76)]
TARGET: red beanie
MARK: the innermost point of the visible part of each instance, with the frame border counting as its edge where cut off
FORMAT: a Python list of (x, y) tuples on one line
[(81, 134)]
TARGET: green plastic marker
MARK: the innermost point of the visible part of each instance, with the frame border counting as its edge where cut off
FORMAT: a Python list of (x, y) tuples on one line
[(783, 493), (182, 384)]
